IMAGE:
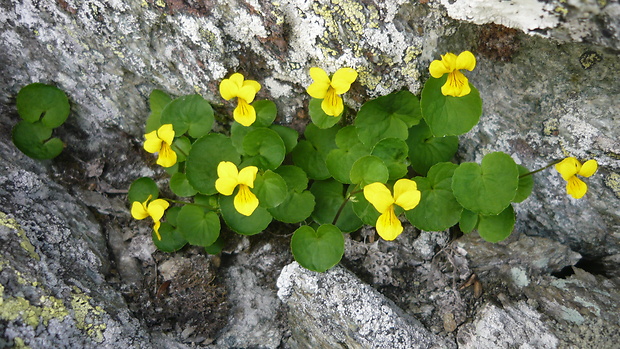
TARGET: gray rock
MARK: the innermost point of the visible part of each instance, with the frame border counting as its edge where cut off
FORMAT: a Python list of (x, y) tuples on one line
[(334, 309)]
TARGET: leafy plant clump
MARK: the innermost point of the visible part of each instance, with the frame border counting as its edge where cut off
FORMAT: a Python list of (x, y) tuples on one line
[(42, 109), (393, 160)]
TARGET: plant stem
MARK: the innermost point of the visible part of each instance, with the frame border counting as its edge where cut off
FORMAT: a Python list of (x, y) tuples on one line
[(353, 192), (186, 203), (540, 169)]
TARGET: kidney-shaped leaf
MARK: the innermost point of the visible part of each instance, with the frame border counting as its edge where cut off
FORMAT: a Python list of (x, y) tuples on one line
[(192, 114), (245, 225), (203, 159), (43, 102), (425, 150), (497, 227), (34, 140), (198, 226), (266, 146), (317, 250)]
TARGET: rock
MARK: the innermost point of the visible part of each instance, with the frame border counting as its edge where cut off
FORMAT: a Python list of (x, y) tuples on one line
[(333, 309)]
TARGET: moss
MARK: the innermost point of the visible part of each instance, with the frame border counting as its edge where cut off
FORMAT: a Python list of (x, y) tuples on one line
[(21, 234)]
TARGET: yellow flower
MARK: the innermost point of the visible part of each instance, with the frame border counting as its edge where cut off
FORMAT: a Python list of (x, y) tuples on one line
[(457, 84), (569, 168), (154, 209), (406, 195), (229, 178), (329, 90), (160, 141), (245, 91)]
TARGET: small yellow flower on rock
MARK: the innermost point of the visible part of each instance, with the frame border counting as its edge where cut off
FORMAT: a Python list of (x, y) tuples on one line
[(329, 90), (457, 84), (406, 195), (569, 168), (229, 178), (154, 209), (160, 141), (245, 91)]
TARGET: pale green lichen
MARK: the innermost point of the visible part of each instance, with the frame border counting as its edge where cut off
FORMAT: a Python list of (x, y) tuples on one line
[(87, 317), (19, 344), (19, 307), (612, 181), (21, 234)]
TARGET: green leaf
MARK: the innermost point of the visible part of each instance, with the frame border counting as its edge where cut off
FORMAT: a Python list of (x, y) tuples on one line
[(237, 134), (158, 100), (211, 202), (438, 209), (270, 188), (317, 250), (288, 135), (369, 169), (217, 246), (171, 215), (295, 208), (180, 186), (425, 150), (498, 227), (388, 116), (393, 152), (526, 184), (329, 196), (310, 160), (323, 139), (171, 239), (245, 225), (364, 209), (204, 157), (318, 116), (34, 140), (266, 112), (181, 146), (199, 226), (141, 189), (295, 178), (45, 103), (340, 161), (468, 221), (487, 188), (192, 114), (265, 146), (447, 115)]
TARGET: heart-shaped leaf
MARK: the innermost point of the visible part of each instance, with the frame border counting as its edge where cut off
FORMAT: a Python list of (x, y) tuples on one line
[(199, 227), (369, 169), (34, 140), (245, 225), (171, 239), (192, 114), (318, 250), (425, 150), (498, 227), (270, 188), (203, 159), (295, 208), (45, 103), (141, 189), (265, 146)]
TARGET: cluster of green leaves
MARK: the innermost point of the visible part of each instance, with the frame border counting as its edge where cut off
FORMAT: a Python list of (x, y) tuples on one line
[(316, 180), (42, 108)]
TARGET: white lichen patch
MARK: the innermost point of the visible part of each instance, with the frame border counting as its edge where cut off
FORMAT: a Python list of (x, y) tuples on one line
[(527, 15)]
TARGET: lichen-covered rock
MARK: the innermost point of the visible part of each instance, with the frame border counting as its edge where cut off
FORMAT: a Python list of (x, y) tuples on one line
[(333, 309)]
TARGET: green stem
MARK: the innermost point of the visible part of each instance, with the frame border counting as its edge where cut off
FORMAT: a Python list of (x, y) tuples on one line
[(540, 169), (186, 203), (353, 192)]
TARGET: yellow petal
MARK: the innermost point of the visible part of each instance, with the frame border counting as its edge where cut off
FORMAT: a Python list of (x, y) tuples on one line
[(227, 178), (247, 175), (244, 113), (247, 93), (157, 208), (588, 168), (568, 168), (138, 210), (466, 60), (166, 133), (379, 196), (254, 84), (228, 89), (318, 89), (406, 194), (332, 104), (245, 201), (156, 229), (449, 60), (237, 79), (152, 144), (167, 157), (342, 80), (438, 69), (456, 85), (576, 188), (319, 75), (388, 225)]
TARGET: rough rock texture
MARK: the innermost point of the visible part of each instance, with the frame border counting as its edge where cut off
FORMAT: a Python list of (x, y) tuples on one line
[(335, 309), (545, 97)]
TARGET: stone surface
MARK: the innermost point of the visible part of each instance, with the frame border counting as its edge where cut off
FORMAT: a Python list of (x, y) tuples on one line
[(334, 309)]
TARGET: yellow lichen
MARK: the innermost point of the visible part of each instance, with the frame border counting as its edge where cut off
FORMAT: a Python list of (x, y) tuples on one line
[(21, 234), (612, 181), (19, 344), (19, 307), (87, 317)]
